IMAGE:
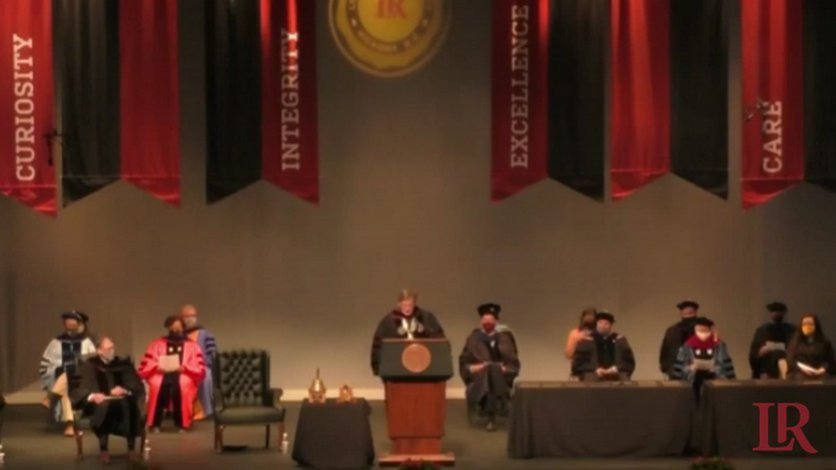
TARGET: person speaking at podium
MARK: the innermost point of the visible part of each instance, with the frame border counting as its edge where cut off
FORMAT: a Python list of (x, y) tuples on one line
[(406, 321)]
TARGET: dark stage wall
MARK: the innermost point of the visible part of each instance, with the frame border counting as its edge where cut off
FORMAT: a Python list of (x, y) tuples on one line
[(405, 202)]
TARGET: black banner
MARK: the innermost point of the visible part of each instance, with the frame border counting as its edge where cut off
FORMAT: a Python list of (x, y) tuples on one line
[(699, 93), (820, 92), (577, 51), (87, 48), (233, 101)]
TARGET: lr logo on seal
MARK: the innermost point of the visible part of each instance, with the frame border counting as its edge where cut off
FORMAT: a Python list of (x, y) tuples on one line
[(389, 38)]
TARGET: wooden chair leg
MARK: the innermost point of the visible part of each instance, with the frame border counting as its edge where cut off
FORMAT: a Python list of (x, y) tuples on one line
[(267, 436), (79, 443), (280, 432), (219, 438)]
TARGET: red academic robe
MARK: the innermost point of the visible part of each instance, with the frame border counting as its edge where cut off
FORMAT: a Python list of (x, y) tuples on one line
[(190, 378)]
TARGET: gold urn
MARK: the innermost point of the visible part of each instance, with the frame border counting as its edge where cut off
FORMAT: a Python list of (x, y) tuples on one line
[(316, 394), (346, 395)]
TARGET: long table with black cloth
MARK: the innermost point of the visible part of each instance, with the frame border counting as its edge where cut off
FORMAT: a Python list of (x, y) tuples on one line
[(732, 425), (663, 418), (609, 419)]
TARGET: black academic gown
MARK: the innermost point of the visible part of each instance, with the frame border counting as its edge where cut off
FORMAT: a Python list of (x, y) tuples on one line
[(390, 328), (497, 350), (768, 364), (603, 351), (120, 417), (812, 353), (675, 337)]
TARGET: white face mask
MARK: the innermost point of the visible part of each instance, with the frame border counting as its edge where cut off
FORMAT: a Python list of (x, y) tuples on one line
[(703, 335)]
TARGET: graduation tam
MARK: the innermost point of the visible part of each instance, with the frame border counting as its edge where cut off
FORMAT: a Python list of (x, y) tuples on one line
[(778, 307), (703, 321), (75, 315), (687, 303), (489, 309)]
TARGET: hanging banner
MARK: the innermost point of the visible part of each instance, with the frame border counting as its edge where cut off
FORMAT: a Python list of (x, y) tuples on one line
[(519, 95), (820, 92), (27, 110), (577, 50), (773, 98), (262, 97), (149, 108), (289, 148), (699, 93), (640, 93), (120, 96)]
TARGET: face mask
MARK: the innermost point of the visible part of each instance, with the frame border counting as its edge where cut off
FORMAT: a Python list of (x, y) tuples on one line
[(489, 327), (703, 335), (108, 357), (808, 330), (778, 318), (589, 324), (175, 334)]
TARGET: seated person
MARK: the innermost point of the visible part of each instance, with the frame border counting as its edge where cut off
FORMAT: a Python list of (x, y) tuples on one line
[(810, 354), (209, 347), (677, 334), (173, 367), (582, 333), (488, 364), (702, 357), (111, 393), (59, 365), (607, 356), (767, 354)]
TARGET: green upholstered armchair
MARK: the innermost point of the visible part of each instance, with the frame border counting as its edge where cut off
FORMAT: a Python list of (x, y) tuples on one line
[(243, 396)]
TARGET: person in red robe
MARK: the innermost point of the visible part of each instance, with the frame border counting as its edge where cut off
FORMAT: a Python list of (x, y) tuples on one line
[(173, 381)]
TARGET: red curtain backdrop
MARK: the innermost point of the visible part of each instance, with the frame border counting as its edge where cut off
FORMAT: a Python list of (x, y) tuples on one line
[(519, 95), (640, 88), (289, 150), (27, 109), (773, 98), (149, 112)]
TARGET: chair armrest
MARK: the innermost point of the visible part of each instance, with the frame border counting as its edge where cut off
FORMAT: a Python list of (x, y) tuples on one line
[(275, 396)]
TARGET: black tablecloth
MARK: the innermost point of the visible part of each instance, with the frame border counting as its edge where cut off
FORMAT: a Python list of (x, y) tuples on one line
[(334, 435), (571, 419), (730, 426)]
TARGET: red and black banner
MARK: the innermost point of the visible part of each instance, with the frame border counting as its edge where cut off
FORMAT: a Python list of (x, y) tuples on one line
[(577, 51), (119, 95), (519, 95), (640, 110), (772, 56), (261, 97), (820, 92), (27, 114), (699, 93)]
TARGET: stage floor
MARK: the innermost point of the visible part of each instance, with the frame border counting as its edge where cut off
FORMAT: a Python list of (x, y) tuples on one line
[(31, 443)]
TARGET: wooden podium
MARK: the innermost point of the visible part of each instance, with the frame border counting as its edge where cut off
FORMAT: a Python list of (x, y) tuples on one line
[(415, 373)]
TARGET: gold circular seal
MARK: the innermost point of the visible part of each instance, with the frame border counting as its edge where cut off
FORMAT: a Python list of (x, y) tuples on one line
[(416, 358), (389, 38)]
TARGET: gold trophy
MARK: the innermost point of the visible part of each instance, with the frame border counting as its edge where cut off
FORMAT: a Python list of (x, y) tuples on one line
[(316, 394)]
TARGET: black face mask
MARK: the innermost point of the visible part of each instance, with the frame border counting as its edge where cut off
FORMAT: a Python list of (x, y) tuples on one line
[(778, 318), (173, 335), (589, 325), (689, 322)]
